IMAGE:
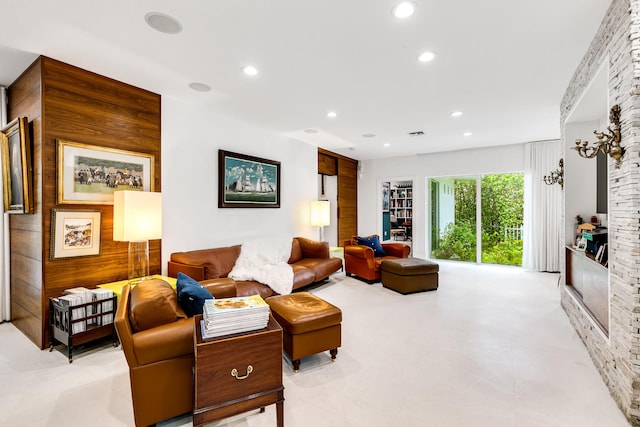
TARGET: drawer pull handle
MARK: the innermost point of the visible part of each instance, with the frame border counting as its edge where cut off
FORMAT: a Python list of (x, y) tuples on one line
[(234, 373)]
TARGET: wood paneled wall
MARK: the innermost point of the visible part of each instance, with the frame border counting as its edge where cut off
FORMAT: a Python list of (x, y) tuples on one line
[(347, 170), (65, 102)]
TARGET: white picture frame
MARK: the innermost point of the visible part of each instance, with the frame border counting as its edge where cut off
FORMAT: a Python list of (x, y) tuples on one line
[(582, 244)]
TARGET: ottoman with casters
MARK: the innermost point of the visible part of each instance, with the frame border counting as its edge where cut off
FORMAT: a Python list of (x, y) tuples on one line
[(310, 325), (409, 275)]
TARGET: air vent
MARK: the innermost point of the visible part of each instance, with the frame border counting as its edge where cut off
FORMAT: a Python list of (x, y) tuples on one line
[(416, 133)]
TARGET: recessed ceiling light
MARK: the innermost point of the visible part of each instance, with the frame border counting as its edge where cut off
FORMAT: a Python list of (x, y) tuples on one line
[(332, 114), (426, 56), (467, 134), (369, 135), (386, 144), (456, 114), (310, 131), (163, 22), (250, 70), (199, 87), (404, 10)]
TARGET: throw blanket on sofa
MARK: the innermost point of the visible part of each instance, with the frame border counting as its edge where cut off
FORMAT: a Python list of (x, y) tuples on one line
[(265, 261)]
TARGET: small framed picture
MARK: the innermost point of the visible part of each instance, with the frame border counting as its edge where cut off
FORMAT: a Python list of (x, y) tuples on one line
[(385, 196), (582, 244), (75, 233)]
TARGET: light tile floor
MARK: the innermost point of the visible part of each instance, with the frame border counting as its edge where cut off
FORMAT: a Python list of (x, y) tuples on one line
[(491, 347)]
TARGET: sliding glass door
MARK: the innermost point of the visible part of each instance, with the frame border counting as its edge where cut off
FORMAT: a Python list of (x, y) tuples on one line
[(502, 198), (459, 231), (453, 218)]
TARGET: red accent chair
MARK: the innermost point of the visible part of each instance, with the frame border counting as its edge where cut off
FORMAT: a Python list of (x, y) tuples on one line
[(359, 260)]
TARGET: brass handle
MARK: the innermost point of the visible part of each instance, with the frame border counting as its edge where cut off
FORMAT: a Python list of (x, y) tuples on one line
[(234, 373)]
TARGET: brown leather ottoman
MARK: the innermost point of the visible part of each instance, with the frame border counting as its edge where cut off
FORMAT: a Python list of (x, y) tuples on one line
[(409, 275), (310, 325)]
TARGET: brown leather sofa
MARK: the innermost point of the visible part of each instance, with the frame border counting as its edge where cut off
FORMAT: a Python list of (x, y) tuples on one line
[(309, 259), (157, 340), (360, 261)]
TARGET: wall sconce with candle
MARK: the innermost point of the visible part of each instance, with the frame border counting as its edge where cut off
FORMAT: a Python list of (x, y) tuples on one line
[(556, 176), (608, 143)]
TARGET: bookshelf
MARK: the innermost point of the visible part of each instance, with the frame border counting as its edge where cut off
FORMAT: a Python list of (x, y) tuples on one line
[(401, 202)]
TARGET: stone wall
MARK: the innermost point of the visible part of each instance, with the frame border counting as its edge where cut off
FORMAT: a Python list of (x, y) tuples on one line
[(617, 357)]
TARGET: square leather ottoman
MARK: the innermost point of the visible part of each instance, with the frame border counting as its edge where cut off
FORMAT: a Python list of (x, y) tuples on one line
[(309, 324), (409, 275)]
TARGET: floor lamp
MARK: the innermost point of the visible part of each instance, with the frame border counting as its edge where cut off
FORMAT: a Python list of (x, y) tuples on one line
[(320, 215), (137, 218)]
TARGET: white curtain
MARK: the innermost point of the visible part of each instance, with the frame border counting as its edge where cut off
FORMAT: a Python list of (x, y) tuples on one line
[(542, 207), (5, 303)]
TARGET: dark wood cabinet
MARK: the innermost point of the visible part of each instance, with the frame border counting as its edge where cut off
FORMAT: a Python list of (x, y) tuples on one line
[(238, 373)]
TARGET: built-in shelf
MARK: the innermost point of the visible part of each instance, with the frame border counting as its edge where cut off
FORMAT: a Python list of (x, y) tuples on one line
[(588, 281)]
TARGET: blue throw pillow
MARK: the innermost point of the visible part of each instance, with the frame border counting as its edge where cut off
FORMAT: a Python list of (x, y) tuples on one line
[(374, 243), (191, 295)]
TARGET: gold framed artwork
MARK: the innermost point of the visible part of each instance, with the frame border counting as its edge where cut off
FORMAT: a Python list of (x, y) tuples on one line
[(16, 167), (75, 233), (89, 174)]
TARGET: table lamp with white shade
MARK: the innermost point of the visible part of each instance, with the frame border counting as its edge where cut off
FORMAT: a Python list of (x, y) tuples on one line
[(320, 215), (137, 218)]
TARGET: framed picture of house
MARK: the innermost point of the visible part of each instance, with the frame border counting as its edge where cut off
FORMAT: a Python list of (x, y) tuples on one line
[(89, 174), (75, 233), (16, 167), (247, 181)]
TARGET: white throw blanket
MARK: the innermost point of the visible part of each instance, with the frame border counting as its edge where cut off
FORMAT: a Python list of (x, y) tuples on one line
[(265, 261)]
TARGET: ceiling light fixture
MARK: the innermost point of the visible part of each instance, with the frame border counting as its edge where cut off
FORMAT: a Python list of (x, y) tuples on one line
[(369, 135), (456, 114), (250, 70), (427, 56), (404, 10), (199, 87), (467, 134), (163, 23), (386, 144), (332, 114)]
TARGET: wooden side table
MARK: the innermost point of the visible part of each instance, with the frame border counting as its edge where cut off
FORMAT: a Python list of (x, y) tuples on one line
[(238, 373)]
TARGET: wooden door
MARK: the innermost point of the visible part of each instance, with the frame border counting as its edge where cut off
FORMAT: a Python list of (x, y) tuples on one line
[(347, 170)]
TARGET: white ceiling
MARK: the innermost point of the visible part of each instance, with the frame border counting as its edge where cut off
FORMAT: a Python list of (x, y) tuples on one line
[(504, 63)]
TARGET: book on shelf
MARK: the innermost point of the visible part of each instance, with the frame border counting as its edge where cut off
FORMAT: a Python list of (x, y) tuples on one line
[(233, 315)]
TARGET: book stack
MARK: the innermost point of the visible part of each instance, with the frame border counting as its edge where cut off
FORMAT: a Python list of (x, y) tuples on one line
[(72, 300), (103, 299), (233, 315)]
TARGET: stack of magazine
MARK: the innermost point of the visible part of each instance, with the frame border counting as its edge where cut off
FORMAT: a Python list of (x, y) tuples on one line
[(233, 315)]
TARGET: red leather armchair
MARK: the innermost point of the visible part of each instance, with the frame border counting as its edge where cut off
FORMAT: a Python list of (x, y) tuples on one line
[(359, 260)]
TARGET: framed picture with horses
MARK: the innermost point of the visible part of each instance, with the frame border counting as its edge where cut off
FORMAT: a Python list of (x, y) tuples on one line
[(89, 174)]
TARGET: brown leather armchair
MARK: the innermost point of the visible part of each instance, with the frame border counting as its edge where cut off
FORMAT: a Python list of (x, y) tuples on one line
[(359, 260), (160, 358)]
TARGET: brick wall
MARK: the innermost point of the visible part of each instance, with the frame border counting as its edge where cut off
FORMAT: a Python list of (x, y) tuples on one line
[(617, 357)]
